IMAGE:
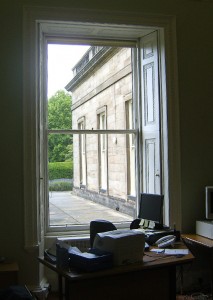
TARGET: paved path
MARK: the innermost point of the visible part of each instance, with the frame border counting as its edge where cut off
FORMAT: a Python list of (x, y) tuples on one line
[(66, 208)]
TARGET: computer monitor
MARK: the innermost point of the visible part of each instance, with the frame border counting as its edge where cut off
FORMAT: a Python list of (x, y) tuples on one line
[(209, 202), (151, 208)]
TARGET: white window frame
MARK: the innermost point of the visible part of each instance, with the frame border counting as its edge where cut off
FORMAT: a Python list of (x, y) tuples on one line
[(37, 19), (44, 132)]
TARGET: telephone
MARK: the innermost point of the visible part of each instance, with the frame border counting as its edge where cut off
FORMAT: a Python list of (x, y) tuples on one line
[(165, 241)]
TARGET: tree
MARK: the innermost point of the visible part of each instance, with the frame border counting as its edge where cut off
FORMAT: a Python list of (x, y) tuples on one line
[(59, 117)]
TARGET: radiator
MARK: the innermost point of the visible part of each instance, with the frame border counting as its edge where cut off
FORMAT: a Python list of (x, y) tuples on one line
[(81, 242)]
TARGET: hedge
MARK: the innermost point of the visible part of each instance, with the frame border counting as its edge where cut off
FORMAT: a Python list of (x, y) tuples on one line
[(59, 170), (60, 186)]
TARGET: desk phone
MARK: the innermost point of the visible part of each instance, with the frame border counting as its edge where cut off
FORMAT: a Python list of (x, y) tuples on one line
[(166, 241)]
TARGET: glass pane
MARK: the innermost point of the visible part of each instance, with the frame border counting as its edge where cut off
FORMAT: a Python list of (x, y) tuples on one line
[(94, 175), (75, 192)]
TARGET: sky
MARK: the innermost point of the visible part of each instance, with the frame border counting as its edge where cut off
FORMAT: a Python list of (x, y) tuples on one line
[(61, 60)]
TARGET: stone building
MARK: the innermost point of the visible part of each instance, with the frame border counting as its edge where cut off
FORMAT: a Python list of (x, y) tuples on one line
[(104, 164)]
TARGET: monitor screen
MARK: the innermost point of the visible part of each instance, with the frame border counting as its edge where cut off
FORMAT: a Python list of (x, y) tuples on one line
[(209, 202), (151, 206)]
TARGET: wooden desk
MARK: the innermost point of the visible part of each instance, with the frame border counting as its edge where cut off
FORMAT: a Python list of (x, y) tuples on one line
[(8, 274), (195, 238), (198, 240), (154, 278)]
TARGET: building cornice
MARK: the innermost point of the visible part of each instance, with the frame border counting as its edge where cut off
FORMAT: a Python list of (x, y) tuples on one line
[(99, 58)]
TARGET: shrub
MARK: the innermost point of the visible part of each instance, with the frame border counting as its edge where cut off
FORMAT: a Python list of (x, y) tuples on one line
[(60, 186), (59, 170)]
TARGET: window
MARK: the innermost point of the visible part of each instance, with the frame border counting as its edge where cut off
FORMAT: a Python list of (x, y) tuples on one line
[(99, 175), (131, 185), (82, 153), (102, 152), (118, 35), (104, 76)]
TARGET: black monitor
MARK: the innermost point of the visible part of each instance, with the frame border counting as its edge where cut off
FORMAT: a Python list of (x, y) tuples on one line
[(151, 208)]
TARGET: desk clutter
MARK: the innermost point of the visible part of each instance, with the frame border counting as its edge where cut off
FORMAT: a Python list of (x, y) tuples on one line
[(152, 236), (93, 260), (111, 248), (90, 261), (117, 258), (154, 271)]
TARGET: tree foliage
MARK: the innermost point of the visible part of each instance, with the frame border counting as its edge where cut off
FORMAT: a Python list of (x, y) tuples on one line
[(59, 117)]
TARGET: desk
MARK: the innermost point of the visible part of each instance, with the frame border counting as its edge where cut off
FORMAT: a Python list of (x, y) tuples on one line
[(195, 238), (207, 244), (154, 278)]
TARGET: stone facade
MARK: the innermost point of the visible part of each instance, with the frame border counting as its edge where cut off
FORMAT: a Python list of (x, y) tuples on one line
[(103, 83)]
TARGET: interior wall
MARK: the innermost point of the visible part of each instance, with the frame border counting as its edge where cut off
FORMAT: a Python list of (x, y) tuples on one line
[(195, 65)]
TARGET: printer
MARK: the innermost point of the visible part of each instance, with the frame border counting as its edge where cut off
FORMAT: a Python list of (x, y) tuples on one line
[(127, 246)]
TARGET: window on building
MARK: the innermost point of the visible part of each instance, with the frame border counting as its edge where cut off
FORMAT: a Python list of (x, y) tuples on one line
[(130, 147), (82, 154), (102, 140)]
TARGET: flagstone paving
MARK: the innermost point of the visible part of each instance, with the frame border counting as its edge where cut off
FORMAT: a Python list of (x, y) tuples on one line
[(67, 208)]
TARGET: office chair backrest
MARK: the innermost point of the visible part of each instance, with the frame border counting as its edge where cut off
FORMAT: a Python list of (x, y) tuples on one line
[(97, 226), (135, 224)]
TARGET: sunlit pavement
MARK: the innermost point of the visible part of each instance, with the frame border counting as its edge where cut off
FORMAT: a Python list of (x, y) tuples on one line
[(66, 208)]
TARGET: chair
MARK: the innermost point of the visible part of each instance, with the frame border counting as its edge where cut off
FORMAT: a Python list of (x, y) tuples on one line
[(135, 224), (97, 226)]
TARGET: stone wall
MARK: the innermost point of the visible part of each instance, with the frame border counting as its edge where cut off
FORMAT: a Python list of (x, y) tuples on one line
[(108, 85)]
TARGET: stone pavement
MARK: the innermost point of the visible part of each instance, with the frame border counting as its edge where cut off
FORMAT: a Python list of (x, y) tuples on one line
[(66, 208)]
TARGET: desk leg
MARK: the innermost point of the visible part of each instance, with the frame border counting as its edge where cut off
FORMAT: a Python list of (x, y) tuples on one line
[(67, 289), (211, 272), (60, 287), (172, 286)]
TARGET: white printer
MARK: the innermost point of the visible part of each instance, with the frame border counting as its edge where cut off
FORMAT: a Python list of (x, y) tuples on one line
[(127, 246), (205, 228)]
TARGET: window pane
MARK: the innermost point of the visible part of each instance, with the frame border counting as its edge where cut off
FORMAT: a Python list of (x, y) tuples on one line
[(74, 203), (101, 179)]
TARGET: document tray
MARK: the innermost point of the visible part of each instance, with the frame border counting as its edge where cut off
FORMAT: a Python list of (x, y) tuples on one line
[(90, 261)]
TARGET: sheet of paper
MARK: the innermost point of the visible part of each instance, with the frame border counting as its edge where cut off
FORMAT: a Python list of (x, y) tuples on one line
[(176, 251), (157, 250)]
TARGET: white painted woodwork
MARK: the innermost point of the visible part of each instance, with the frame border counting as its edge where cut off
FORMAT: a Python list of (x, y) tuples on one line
[(71, 21), (151, 115)]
